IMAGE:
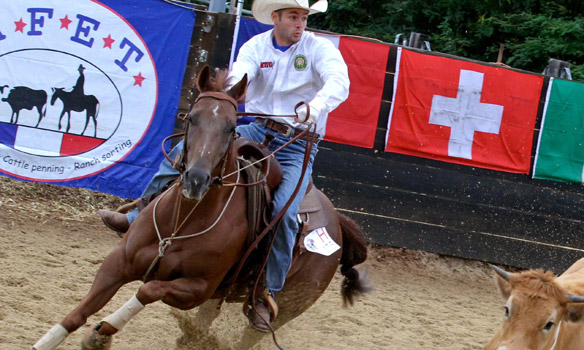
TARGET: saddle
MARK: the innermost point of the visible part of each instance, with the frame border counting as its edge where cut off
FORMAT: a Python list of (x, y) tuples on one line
[(259, 198)]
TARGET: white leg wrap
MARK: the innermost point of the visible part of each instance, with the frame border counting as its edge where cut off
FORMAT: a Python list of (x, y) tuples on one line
[(119, 318), (52, 339)]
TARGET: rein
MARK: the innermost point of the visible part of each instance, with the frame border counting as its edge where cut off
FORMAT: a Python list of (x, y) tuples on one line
[(165, 242), (274, 224), (556, 336)]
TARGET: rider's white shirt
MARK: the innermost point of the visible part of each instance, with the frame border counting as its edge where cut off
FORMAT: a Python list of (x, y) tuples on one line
[(311, 70)]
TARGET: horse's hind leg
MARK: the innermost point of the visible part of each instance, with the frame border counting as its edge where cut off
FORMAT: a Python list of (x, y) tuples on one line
[(86, 123), (108, 280), (61, 118)]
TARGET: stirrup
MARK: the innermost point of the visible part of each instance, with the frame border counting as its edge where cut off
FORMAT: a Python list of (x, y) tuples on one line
[(267, 297)]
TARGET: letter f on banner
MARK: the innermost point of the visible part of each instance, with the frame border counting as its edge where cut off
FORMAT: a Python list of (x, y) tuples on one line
[(465, 114)]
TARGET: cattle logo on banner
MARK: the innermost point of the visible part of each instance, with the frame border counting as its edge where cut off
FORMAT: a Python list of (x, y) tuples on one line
[(72, 80)]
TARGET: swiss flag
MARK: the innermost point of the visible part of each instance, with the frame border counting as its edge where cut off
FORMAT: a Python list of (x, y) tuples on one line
[(354, 122), (463, 112)]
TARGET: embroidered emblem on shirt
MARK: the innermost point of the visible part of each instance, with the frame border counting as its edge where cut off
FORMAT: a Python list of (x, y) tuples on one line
[(300, 62), (266, 64)]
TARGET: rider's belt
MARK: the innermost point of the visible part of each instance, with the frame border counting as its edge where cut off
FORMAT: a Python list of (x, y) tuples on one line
[(284, 130)]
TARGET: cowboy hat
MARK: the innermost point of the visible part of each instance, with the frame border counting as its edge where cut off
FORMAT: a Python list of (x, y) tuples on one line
[(262, 9)]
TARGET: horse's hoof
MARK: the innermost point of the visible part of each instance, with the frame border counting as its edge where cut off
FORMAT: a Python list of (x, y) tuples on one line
[(95, 341)]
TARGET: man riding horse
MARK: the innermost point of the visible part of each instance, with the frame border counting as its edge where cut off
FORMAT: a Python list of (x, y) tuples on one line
[(284, 66)]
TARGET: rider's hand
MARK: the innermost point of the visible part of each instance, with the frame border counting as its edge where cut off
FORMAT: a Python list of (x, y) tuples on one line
[(312, 118)]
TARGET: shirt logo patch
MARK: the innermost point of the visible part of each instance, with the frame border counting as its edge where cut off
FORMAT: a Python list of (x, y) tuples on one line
[(300, 62), (266, 64)]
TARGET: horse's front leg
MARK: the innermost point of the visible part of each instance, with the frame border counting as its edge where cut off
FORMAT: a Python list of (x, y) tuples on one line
[(68, 121), (108, 280), (61, 118), (181, 293)]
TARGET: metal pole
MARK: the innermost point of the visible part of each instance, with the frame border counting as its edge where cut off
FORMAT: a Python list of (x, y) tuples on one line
[(217, 6), (235, 32)]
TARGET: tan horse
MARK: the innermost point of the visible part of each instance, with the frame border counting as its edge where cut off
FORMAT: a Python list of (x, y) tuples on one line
[(189, 240)]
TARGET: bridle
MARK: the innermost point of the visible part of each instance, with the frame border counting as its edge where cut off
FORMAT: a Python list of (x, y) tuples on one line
[(180, 164), (556, 336)]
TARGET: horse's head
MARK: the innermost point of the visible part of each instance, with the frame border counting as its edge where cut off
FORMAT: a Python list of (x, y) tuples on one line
[(56, 93), (210, 128)]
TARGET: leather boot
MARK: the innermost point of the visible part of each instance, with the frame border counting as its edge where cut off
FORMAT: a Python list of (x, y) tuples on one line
[(117, 222), (264, 312)]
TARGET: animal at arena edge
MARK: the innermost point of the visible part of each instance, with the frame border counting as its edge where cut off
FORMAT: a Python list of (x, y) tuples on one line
[(542, 311), (22, 97), (191, 270)]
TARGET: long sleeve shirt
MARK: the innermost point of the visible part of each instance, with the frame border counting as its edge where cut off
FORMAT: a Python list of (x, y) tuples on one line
[(311, 70)]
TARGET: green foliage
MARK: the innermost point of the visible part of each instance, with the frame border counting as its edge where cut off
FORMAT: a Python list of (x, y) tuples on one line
[(533, 31)]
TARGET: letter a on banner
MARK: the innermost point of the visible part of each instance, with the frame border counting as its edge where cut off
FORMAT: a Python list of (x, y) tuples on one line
[(463, 112)]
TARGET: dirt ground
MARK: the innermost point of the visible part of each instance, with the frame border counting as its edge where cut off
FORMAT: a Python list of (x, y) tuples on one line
[(52, 244)]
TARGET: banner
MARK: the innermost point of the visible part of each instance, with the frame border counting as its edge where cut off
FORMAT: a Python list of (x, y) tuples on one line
[(560, 150), (463, 112), (89, 89), (354, 122)]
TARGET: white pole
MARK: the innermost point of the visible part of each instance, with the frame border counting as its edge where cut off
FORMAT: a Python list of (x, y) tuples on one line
[(235, 32)]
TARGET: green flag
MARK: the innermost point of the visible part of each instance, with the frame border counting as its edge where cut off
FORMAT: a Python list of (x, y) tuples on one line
[(560, 151)]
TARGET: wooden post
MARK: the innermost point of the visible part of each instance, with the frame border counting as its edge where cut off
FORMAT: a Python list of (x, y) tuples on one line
[(501, 49)]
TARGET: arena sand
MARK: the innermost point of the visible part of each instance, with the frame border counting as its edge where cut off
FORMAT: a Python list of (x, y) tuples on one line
[(53, 243)]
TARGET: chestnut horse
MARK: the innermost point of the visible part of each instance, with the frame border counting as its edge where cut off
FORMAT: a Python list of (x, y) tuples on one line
[(184, 244)]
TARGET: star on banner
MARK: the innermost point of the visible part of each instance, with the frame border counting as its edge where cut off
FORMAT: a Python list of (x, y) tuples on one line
[(20, 26), (138, 79), (65, 22), (107, 42)]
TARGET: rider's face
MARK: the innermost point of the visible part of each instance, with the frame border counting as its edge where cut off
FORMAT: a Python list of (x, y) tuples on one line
[(289, 24)]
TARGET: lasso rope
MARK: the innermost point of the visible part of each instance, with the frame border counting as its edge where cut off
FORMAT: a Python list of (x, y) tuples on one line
[(165, 242)]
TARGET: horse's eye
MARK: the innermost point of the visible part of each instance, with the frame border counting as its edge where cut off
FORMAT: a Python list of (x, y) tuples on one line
[(548, 326), (506, 312), (194, 120)]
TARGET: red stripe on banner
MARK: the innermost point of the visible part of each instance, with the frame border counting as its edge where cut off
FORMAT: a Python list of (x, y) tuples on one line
[(463, 112), (354, 122), (75, 144)]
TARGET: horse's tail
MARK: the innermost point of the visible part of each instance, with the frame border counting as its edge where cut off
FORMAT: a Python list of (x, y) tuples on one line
[(354, 253)]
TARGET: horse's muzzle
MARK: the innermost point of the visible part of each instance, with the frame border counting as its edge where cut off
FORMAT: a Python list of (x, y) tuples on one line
[(196, 183)]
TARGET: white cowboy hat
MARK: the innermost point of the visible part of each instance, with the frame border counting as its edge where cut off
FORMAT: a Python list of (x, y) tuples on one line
[(262, 9)]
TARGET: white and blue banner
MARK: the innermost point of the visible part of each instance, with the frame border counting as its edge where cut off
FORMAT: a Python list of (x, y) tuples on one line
[(89, 89)]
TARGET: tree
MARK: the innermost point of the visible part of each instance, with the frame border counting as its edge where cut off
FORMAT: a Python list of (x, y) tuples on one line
[(533, 31)]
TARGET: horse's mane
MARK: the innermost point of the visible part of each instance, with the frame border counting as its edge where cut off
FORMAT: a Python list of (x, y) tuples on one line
[(220, 82)]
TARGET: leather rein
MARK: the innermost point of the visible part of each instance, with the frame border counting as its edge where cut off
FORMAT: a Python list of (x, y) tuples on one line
[(180, 165), (273, 225)]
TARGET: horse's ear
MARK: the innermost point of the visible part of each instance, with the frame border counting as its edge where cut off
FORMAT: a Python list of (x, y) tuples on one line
[(204, 79), (238, 90)]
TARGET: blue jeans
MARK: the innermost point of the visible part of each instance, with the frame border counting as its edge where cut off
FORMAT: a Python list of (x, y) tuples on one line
[(291, 159), (165, 174)]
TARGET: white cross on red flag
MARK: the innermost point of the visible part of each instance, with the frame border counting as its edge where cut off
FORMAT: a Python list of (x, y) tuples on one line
[(463, 112)]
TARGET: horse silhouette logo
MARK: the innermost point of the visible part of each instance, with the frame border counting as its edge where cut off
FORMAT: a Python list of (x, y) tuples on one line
[(76, 100)]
